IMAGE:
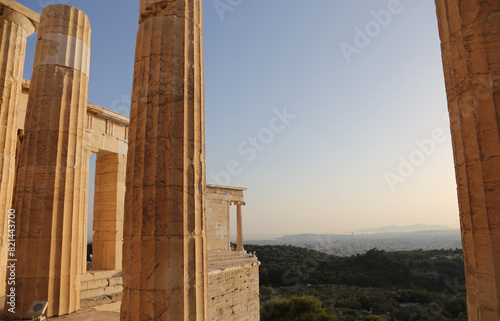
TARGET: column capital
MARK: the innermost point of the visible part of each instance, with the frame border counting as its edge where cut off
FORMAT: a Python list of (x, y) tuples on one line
[(18, 18), (238, 203)]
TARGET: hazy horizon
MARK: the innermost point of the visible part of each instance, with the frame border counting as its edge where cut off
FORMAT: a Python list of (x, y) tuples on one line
[(332, 114), (248, 238)]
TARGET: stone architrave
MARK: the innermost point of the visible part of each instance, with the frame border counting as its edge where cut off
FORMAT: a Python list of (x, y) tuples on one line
[(165, 252), (470, 40), (50, 187), (14, 30)]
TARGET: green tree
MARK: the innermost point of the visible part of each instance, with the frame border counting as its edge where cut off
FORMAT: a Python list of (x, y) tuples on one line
[(304, 308), (266, 293)]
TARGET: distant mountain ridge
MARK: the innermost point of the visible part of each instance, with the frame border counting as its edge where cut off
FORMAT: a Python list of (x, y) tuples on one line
[(407, 228)]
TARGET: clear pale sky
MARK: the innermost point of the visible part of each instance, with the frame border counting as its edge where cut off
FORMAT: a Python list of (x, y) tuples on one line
[(318, 107)]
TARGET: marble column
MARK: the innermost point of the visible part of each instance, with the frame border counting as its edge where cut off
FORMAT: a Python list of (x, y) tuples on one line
[(165, 252), (108, 211), (50, 187), (470, 37), (239, 224), (14, 30)]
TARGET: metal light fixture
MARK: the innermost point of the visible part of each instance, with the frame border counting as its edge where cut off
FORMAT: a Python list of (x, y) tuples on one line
[(37, 310)]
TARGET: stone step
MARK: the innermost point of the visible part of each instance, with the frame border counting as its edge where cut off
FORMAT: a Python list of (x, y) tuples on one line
[(108, 290), (100, 279), (97, 275), (101, 300), (100, 287), (96, 284)]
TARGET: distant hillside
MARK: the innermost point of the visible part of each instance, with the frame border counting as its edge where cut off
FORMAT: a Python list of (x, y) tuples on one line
[(411, 285), (418, 269), (347, 245), (407, 228)]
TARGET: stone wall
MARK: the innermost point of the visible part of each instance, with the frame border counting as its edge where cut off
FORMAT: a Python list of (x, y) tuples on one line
[(100, 287), (219, 200), (233, 275), (233, 294)]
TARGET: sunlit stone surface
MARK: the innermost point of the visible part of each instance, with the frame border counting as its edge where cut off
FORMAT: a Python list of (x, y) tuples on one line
[(15, 27), (165, 252), (51, 191), (470, 35)]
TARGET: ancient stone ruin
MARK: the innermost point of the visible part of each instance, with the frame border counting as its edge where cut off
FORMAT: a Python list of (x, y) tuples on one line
[(173, 239), (161, 234)]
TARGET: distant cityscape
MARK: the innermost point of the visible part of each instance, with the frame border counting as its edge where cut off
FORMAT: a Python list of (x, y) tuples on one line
[(389, 239)]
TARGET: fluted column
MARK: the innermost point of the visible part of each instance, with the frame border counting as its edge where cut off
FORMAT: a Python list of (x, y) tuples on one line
[(50, 185), (14, 30), (165, 256), (470, 39)]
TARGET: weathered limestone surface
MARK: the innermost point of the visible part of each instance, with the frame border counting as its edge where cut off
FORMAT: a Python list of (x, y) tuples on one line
[(50, 192), (14, 30), (101, 287), (165, 257), (107, 135), (233, 288), (107, 131), (219, 199), (24, 11), (233, 284), (470, 35), (108, 211), (234, 293)]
